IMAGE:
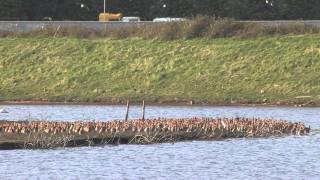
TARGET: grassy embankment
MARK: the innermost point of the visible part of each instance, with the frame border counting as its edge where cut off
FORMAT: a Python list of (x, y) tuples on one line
[(278, 69)]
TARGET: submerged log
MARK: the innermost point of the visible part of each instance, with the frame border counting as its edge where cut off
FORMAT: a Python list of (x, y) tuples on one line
[(45, 134)]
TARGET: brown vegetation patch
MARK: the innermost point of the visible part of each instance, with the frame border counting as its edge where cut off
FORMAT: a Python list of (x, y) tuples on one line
[(41, 134), (199, 27)]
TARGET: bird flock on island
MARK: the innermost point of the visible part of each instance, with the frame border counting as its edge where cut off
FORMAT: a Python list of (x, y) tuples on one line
[(194, 128)]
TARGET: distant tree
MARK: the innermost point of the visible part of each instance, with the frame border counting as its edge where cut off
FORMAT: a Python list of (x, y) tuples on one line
[(296, 9), (149, 9)]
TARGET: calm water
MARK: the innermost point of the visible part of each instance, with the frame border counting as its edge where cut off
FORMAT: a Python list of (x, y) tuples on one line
[(274, 158)]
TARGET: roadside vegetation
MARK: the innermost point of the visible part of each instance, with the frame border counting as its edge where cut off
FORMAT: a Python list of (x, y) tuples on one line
[(278, 69), (199, 27)]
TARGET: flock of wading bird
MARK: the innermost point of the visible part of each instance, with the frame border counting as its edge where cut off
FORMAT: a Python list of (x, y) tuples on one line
[(146, 131)]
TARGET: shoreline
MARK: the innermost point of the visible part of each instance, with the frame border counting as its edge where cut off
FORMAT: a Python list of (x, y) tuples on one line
[(178, 103)]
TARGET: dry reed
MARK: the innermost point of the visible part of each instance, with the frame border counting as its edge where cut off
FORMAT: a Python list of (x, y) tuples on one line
[(199, 27)]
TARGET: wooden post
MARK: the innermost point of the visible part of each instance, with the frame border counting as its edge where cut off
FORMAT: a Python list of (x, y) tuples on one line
[(104, 6), (143, 110), (127, 113)]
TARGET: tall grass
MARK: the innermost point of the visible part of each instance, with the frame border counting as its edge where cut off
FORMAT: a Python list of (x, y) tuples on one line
[(199, 27)]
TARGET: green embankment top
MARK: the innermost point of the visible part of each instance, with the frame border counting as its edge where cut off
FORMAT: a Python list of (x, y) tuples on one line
[(269, 69)]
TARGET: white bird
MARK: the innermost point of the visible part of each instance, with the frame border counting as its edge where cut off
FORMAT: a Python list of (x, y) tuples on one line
[(3, 111), (223, 124)]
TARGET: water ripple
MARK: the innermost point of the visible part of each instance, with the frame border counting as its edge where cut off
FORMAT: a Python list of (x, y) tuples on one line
[(294, 157)]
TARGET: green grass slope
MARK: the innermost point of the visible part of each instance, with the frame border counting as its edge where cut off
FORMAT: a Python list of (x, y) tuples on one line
[(269, 69)]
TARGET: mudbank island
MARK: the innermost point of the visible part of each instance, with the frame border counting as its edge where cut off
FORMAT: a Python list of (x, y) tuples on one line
[(45, 135)]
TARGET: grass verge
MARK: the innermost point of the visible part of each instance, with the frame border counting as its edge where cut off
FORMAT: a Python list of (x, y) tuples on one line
[(275, 70)]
